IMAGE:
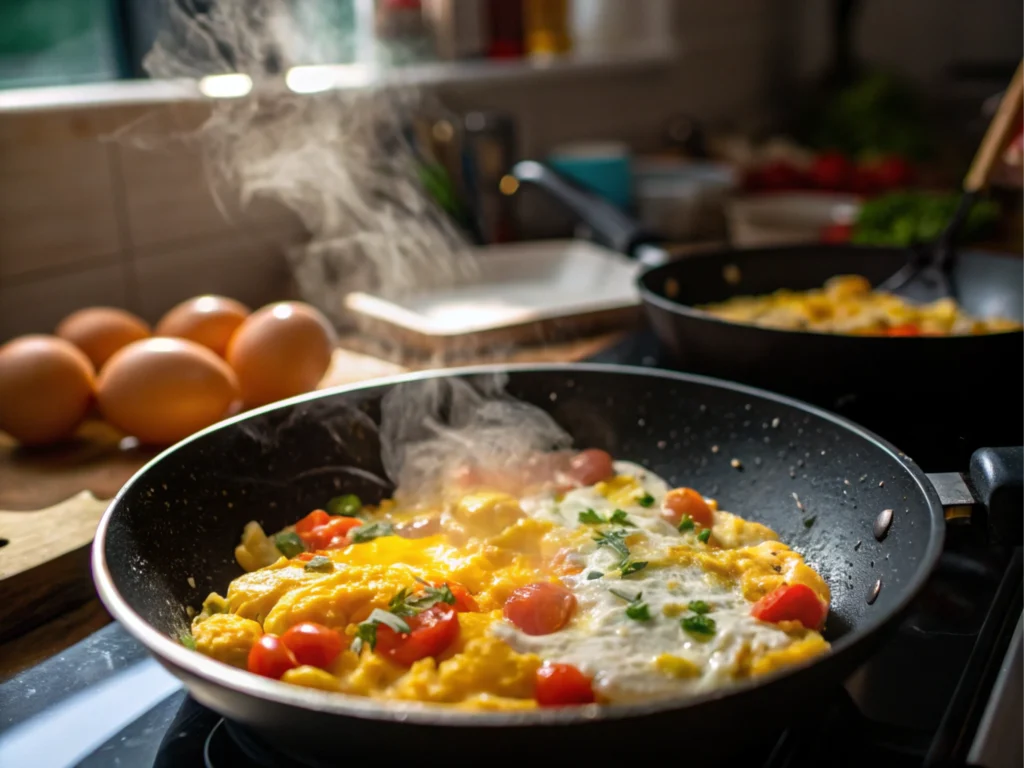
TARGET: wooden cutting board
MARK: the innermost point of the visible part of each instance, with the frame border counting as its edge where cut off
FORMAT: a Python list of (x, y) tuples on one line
[(51, 499)]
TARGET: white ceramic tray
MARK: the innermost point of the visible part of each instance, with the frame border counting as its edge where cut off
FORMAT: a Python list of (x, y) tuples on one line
[(566, 286)]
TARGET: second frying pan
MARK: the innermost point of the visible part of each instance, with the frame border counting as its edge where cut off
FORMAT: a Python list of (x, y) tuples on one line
[(937, 397)]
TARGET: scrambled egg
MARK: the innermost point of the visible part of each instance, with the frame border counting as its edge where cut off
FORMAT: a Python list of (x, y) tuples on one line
[(847, 304), (491, 544)]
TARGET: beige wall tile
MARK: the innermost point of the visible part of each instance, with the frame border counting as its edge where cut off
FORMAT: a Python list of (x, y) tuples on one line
[(36, 306), (248, 269), (57, 200)]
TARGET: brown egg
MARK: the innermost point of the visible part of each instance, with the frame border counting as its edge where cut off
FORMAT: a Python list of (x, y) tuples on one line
[(46, 388), (101, 331), (206, 320), (281, 350), (162, 390)]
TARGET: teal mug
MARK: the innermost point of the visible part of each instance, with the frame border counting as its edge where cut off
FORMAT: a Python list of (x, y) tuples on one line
[(603, 167)]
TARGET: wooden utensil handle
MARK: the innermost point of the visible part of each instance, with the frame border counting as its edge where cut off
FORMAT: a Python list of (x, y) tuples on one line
[(998, 133)]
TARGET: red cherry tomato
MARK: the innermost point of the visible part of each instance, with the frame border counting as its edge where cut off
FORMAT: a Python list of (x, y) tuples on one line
[(431, 632), (305, 556), (333, 534), (831, 170), (907, 329), (836, 233), (779, 175), (464, 602), (686, 501), (313, 644), (270, 657), (791, 602), (560, 685), (314, 519), (541, 608), (590, 466), (892, 172)]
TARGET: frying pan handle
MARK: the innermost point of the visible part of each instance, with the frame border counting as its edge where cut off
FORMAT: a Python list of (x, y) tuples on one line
[(611, 226), (997, 475)]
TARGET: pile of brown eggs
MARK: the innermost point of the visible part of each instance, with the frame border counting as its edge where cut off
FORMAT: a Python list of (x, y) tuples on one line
[(206, 359)]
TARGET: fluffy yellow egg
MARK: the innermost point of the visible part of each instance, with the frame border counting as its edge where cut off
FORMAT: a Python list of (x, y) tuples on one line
[(46, 388), (207, 320), (162, 390), (280, 351), (100, 331)]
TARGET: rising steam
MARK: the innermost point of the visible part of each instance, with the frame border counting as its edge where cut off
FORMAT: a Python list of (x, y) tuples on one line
[(340, 159), (433, 427)]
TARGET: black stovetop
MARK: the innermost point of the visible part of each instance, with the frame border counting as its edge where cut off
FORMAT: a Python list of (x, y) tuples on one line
[(104, 702)]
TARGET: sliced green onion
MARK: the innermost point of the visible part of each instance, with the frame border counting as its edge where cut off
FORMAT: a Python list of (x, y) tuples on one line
[(289, 544), (699, 625), (348, 505), (320, 564), (686, 524)]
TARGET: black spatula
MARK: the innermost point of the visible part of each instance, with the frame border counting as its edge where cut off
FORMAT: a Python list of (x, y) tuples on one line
[(925, 278)]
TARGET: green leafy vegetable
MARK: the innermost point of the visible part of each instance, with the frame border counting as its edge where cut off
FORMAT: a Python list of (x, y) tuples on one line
[(620, 517), (366, 631), (908, 218), (348, 505), (699, 607), (320, 564), (699, 625), (614, 540), (686, 524), (186, 639), (590, 517), (371, 531), (646, 500), (810, 521), (630, 567), (409, 603), (289, 544), (594, 575), (637, 609), (704, 535)]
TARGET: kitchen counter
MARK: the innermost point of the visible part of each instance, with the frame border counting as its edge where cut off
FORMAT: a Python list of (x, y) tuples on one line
[(54, 604)]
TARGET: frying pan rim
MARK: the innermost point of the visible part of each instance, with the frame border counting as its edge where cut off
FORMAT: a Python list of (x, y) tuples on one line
[(651, 296), (194, 665)]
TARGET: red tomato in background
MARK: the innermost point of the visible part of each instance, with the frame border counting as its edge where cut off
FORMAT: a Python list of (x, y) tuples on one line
[(686, 501), (270, 657), (791, 602), (331, 535), (430, 633), (777, 176), (892, 172), (836, 233), (559, 685), (831, 171), (590, 466), (907, 329), (541, 608), (313, 644)]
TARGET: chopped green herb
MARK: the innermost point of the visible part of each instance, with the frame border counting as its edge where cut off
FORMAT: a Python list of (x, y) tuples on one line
[(408, 603), (619, 516), (289, 544), (615, 540), (637, 609), (646, 500), (348, 505), (371, 531), (366, 631), (699, 625), (810, 521), (630, 567), (320, 564), (699, 607), (704, 535), (594, 575), (686, 524), (590, 517), (186, 639)]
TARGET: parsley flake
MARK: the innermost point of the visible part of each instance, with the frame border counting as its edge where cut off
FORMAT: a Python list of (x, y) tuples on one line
[(686, 524), (699, 607), (320, 564), (371, 531), (704, 535), (699, 625), (590, 517), (408, 603), (615, 540), (289, 544), (646, 501), (366, 631), (619, 516), (630, 567), (637, 609), (594, 575), (348, 505), (810, 521)]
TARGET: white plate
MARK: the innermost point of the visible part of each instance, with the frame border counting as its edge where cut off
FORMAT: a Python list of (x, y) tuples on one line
[(516, 285)]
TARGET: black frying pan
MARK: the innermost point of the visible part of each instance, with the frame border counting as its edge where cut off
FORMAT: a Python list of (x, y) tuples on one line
[(939, 392), (167, 540)]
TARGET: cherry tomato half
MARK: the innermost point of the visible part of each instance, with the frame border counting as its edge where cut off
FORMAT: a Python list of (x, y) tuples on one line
[(686, 501), (430, 633), (560, 685), (590, 466), (464, 602), (313, 644), (314, 519), (270, 657), (541, 608), (333, 534), (907, 329), (791, 602)]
